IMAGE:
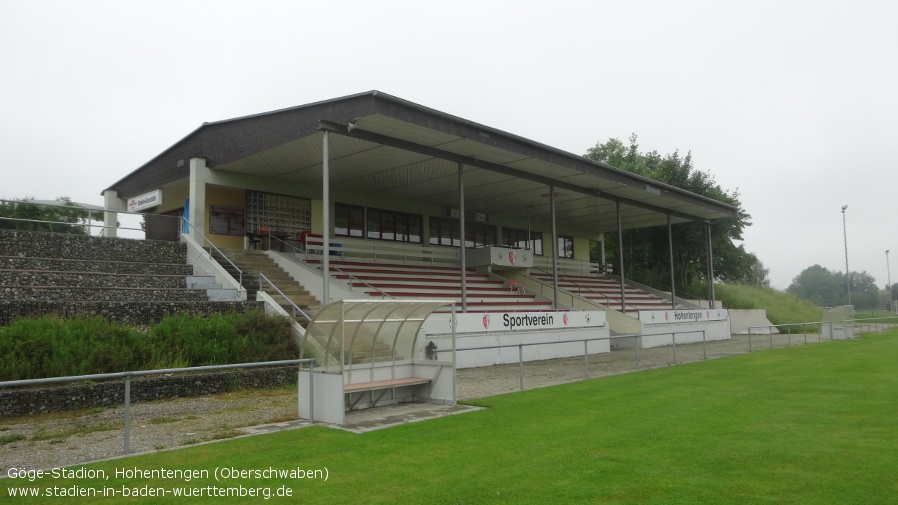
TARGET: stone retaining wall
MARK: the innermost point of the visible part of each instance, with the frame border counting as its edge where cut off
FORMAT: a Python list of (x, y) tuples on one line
[(94, 294), (22, 402), (133, 313), (60, 245), (85, 265), (91, 279)]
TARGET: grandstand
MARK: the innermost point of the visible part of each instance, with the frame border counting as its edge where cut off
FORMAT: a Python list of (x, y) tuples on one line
[(370, 196)]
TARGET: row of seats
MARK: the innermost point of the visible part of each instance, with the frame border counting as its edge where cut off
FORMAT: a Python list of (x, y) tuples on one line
[(415, 282), (606, 291)]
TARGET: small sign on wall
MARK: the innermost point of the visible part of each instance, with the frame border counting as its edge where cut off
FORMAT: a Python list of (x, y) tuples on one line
[(226, 220), (145, 201)]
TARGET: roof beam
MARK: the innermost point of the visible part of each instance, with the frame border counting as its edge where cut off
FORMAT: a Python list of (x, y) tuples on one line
[(344, 129)]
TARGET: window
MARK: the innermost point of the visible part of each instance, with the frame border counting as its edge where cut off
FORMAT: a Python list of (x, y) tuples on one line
[(277, 213), (523, 239), (447, 232), (395, 226), (349, 220), (565, 246)]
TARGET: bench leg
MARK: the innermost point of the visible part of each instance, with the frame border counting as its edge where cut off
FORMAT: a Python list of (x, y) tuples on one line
[(362, 395)]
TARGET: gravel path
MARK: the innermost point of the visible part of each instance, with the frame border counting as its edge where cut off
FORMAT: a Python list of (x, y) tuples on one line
[(66, 439)]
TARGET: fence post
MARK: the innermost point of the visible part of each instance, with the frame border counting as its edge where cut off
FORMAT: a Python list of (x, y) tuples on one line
[(311, 391), (521, 364), (636, 348), (749, 339), (704, 346), (771, 336), (790, 335), (128, 414), (804, 330), (585, 359), (674, 348)]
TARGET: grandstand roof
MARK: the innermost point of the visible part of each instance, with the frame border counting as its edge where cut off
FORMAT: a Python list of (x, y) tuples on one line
[(389, 147)]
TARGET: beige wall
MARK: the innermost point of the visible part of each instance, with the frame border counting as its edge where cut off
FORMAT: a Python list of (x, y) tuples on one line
[(229, 190), (229, 197)]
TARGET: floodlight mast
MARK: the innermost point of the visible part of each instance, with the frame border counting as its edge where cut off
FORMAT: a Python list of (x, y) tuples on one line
[(847, 273), (889, 285)]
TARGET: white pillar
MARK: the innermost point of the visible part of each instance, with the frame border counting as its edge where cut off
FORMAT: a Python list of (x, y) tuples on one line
[(197, 218), (112, 205)]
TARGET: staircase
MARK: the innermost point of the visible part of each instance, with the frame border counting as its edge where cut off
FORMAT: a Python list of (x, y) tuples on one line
[(252, 263)]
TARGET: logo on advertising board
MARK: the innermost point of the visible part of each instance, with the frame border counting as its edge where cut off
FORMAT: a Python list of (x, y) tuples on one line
[(486, 321), (145, 201), (511, 257), (564, 319)]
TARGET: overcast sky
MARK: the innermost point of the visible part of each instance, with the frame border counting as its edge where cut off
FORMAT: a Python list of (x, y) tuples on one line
[(793, 103)]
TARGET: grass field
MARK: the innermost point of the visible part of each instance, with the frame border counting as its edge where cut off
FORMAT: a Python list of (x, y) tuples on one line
[(808, 424)]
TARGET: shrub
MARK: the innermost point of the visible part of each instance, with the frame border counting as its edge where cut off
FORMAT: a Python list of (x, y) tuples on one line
[(52, 347)]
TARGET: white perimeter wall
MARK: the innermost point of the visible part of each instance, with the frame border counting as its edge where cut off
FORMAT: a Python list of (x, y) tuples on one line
[(658, 327), (559, 337)]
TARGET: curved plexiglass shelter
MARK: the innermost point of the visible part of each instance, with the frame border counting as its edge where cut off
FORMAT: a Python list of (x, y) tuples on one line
[(372, 352)]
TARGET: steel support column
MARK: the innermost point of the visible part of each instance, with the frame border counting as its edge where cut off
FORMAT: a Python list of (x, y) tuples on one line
[(673, 291), (325, 221), (554, 249), (461, 228), (710, 267), (620, 254)]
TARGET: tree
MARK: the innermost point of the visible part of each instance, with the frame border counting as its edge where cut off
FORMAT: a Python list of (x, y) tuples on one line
[(646, 256), (819, 286), (61, 216), (827, 288), (759, 274)]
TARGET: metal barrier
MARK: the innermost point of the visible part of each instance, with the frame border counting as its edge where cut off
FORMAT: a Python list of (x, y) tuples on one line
[(127, 376), (585, 341), (879, 323), (804, 331)]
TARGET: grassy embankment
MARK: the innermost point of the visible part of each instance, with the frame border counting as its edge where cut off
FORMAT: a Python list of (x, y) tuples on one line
[(782, 308)]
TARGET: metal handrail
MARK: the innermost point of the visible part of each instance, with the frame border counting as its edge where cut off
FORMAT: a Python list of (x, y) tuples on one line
[(309, 255), (211, 246), (81, 225), (295, 307), (138, 373), (383, 294), (291, 246), (608, 299)]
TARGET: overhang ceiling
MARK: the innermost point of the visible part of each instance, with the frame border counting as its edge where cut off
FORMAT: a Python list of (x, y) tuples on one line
[(384, 146), (389, 168)]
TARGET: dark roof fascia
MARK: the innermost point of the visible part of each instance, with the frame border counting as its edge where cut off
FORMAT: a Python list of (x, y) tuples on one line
[(414, 113), (374, 101), (211, 146)]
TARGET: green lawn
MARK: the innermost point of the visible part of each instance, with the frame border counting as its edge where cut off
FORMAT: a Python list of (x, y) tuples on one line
[(808, 424)]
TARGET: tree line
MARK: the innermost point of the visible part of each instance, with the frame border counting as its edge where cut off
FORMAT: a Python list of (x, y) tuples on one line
[(828, 288), (62, 216), (646, 251)]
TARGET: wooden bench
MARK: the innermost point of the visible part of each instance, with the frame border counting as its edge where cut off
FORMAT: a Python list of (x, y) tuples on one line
[(382, 385)]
